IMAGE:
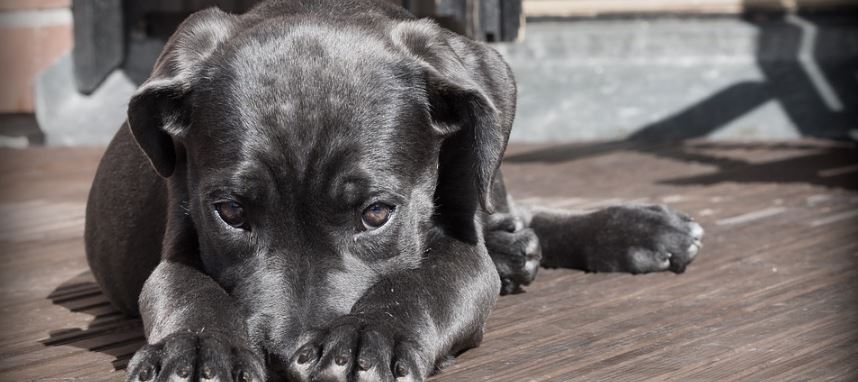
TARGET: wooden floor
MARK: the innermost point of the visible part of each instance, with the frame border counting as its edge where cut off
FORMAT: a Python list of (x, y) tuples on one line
[(773, 295)]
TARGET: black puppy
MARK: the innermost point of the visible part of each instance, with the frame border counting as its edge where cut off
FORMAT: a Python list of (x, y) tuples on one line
[(321, 201)]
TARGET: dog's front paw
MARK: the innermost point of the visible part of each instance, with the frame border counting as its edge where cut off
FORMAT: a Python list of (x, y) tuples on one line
[(358, 348), (195, 357), (515, 250), (642, 239)]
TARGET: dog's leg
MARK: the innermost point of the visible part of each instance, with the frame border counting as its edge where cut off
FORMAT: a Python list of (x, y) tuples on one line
[(635, 239), (408, 323), (630, 238), (194, 330), (513, 247)]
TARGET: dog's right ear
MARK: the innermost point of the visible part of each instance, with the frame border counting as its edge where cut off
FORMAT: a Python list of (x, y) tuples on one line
[(159, 113)]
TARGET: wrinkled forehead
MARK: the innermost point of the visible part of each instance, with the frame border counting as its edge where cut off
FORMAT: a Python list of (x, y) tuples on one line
[(311, 90), (311, 70)]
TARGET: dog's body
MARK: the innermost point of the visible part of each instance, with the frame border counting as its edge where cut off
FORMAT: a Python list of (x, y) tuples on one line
[(319, 209)]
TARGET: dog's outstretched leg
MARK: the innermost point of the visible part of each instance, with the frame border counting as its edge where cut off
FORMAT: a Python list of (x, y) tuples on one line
[(627, 238)]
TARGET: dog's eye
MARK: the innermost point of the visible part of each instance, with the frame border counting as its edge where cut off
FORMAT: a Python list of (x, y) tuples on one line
[(376, 215), (231, 213)]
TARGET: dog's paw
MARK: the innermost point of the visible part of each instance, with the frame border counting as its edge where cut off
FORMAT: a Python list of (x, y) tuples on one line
[(195, 357), (642, 239), (357, 348), (515, 250)]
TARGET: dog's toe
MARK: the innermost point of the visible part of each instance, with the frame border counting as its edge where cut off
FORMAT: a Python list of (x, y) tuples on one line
[(375, 357), (405, 366), (696, 231), (686, 246), (693, 249), (337, 359), (303, 362)]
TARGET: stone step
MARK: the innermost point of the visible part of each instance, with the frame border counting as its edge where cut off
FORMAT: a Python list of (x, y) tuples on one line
[(754, 77)]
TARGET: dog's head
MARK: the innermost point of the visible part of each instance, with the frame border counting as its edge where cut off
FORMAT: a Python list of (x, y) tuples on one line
[(310, 157)]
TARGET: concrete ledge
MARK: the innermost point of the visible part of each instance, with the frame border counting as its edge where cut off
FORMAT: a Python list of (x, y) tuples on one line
[(677, 78), (69, 118), (589, 8)]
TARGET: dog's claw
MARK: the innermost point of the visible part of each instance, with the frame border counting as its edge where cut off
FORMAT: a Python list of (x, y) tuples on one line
[(183, 372), (363, 364), (400, 370), (341, 359), (207, 373), (145, 373), (305, 355)]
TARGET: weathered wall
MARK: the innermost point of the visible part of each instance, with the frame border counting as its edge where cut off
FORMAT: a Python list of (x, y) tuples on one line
[(33, 35)]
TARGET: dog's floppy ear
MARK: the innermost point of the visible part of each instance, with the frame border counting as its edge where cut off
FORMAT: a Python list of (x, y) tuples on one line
[(159, 111), (471, 95)]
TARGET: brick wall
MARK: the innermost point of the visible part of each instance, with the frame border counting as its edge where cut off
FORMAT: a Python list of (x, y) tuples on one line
[(33, 34)]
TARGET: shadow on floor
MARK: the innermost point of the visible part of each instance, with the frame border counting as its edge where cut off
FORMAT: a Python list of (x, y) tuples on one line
[(832, 164), (835, 167), (109, 332)]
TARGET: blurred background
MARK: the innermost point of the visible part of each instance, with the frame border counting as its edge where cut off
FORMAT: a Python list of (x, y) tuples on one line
[(587, 70)]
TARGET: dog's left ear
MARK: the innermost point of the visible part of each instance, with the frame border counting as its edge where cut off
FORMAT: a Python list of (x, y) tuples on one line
[(160, 110), (471, 95)]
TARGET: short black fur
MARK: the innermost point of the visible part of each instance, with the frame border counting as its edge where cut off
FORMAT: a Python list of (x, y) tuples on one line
[(304, 114)]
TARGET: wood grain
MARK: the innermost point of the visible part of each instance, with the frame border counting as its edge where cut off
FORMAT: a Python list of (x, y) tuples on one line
[(772, 296)]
